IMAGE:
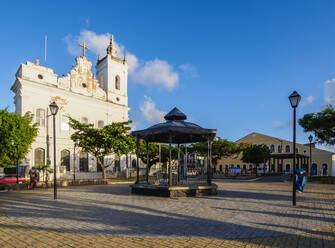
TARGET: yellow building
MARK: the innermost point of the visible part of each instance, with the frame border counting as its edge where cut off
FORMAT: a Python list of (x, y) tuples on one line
[(281, 161)]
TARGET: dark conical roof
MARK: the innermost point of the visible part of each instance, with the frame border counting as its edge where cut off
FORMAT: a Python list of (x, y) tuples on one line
[(175, 114)]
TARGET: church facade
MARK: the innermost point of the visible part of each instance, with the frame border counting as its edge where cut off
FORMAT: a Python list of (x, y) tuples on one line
[(98, 99)]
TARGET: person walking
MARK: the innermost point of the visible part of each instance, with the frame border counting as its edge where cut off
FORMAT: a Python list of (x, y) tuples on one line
[(32, 173), (47, 180)]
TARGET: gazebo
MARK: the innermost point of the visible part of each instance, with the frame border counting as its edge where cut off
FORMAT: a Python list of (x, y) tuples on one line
[(174, 131)]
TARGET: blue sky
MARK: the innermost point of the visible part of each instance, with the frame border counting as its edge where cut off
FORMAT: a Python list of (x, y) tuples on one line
[(228, 65)]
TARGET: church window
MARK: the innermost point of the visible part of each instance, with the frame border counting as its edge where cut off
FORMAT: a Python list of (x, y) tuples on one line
[(40, 76), (65, 159), (84, 85), (83, 162), (133, 163), (117, 82), (39, 157), (65, 122), (84, 120), (40, 117), (101, 124), (117, 99)]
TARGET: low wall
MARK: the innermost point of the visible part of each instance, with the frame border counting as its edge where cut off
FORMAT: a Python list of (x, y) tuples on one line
[(60, 183), (175, 191)]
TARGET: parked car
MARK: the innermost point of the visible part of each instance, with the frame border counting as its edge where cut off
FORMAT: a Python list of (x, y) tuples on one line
[(11, 179)]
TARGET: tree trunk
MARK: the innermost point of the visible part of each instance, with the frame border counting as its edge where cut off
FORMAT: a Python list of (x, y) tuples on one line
[(103, 168), (256, 170)]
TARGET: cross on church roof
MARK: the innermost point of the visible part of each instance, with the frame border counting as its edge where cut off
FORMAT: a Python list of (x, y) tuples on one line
[(84, 47)]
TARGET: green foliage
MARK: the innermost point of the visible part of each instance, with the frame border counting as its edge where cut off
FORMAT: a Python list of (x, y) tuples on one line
[(255, 154), (154, 153), (20, 129), (322, 124), (43, 168), (220, 148), (111, 139)]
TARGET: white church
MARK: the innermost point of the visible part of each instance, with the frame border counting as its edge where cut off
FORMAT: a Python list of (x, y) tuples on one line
[(98, 99)]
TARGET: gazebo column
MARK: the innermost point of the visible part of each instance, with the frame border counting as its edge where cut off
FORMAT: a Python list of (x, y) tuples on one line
[(170, 157), (179, 167), (209, 162), (147, 170), (137, 161), (185, 161)]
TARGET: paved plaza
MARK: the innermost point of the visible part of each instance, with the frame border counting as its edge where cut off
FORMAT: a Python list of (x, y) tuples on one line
[(243, 214)]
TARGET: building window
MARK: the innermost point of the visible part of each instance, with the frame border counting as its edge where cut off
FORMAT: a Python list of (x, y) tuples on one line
[(117, 82), (314, 171), (324, 169), (296, 150), (83, 162), (84, 120), (65, 159), (279, 148), (39, 156), (287, 148), (40, 117), (272, 148), (65, 122), (220, 167), (117, 166), (238, 166), (133, 163), (101, 124), (288, 167)]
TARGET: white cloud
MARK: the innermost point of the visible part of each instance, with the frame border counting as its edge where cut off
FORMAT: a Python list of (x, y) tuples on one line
[(189, 70), (150, 112), (329, 90), (155, 72), (307, 100), (278, 124)]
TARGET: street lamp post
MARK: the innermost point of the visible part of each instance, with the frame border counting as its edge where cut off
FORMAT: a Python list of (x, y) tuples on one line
[(294, 100), (310, 138), (12, 142), (54, 109)]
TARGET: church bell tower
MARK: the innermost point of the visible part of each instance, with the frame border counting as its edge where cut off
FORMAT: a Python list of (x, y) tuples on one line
[(112, 73)]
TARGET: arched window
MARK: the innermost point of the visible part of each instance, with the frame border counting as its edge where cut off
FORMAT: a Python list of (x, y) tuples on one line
[(117, 166), (220, 167), (250, 166), (279, 148), (65, 159), (287, 148), (101, 124), (133, 163), (39, 156), (84, 120), (238, 166), (272, 148), (40, 117), (83, 162), (314, 171), (226, 167), (117, 82), (296, 150), (244, 167), (99, 168), (324, 169)]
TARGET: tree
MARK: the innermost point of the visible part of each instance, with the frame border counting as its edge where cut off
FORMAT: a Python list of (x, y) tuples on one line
[(111, 139), (21, 130), (322, 124), (255, 154), (220, 148), (154, 153)]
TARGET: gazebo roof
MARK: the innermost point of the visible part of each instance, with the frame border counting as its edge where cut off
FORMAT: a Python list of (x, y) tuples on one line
[(175, 127)]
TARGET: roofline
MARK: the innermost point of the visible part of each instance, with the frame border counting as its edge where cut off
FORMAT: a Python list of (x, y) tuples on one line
[(282, 140)]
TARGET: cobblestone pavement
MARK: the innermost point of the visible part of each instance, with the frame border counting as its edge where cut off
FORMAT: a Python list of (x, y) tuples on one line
[(242, 215)]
